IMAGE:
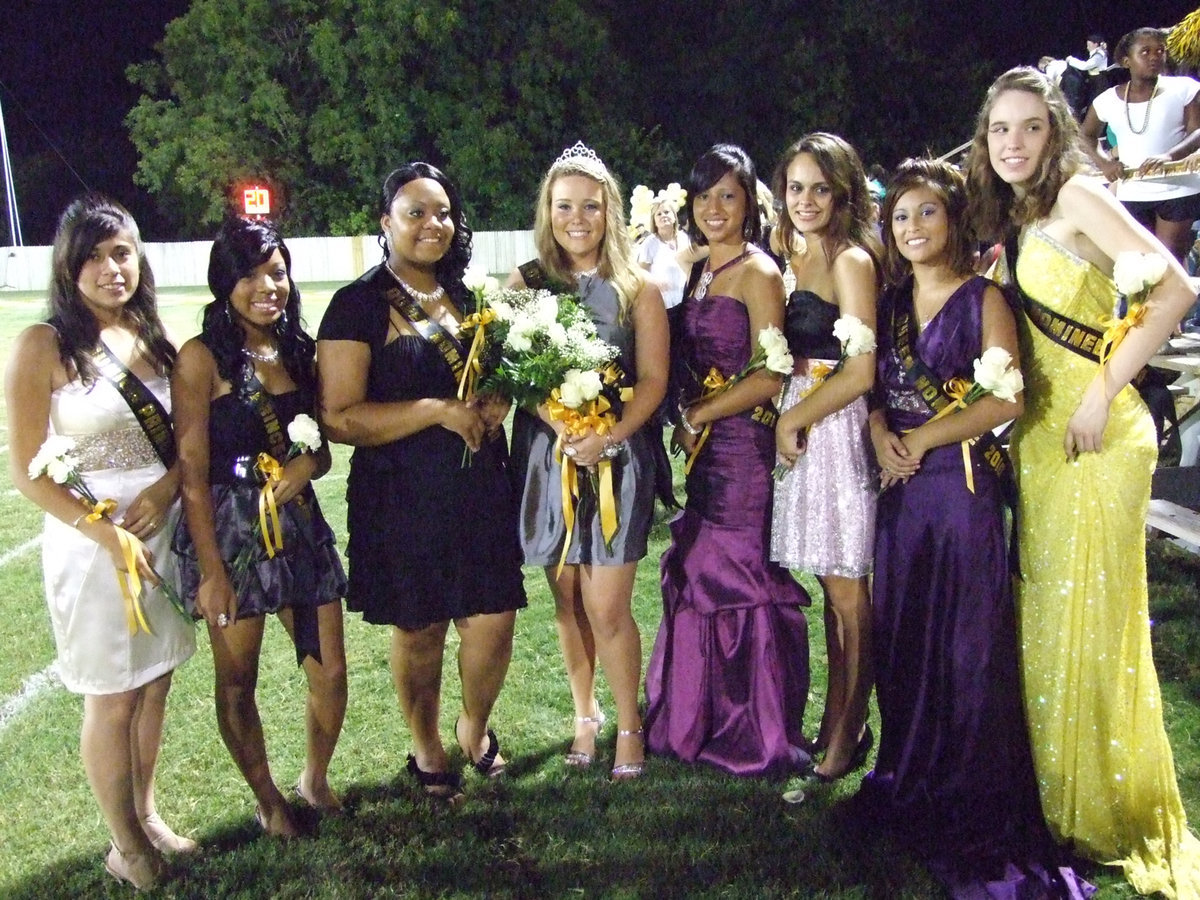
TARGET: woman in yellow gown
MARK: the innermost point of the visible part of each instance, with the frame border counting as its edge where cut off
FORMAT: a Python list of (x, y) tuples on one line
[(1084, 451)]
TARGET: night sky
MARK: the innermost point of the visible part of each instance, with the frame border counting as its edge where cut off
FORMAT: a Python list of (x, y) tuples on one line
[(63, 87)]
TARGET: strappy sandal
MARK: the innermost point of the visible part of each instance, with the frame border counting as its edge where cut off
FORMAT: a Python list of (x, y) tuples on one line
[(629, 771), (577, 759), (486, 765), (446, 786)]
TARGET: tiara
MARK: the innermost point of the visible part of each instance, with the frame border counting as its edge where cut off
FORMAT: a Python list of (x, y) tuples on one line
[(579, 152)]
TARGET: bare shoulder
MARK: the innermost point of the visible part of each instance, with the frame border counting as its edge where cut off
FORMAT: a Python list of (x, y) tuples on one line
[(854, 261), (36, 344)]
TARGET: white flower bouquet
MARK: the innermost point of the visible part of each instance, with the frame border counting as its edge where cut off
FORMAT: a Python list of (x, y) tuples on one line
[(533, 339), (55, 460)]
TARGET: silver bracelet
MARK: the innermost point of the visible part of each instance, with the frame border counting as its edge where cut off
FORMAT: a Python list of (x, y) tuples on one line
[(612, 449), (687, 426), (79, 518)]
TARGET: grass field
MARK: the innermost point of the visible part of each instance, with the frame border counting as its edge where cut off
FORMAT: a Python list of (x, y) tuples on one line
[(540, 831)]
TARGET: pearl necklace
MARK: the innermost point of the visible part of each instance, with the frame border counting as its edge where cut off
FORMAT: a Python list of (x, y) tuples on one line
[(271, 357), (1149, 103), (420, 296), (587, 273)]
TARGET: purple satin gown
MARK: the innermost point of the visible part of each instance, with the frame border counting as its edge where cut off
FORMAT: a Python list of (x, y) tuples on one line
[(954, 769), (728, 677)]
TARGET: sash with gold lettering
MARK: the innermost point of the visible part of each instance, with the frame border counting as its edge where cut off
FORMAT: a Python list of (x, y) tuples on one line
[(1063, 330), (306, 636), (150, 413), (446, 344), (930, 388)]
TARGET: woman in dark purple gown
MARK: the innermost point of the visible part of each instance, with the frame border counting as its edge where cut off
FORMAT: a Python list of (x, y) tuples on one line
[(728, 677), (954, 769)]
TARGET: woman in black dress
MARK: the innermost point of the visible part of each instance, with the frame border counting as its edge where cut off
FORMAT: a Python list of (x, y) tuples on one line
[(236, 388), (433, 530)]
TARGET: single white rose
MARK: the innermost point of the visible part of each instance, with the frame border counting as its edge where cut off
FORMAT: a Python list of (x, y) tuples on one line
[(304, 431), (479, 282), (1135, 273), (59, 470), (1010, 385), (990, 367), (557, 335), (771, 339), (853, 334), (502, 310), (520, 337), (780, 361), (570, 394), (545, 310)]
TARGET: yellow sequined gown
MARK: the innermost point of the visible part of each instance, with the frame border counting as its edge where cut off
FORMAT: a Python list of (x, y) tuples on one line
[(1104, 767)]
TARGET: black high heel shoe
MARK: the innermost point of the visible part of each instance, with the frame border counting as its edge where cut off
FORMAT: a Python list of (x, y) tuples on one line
[(858, 758)]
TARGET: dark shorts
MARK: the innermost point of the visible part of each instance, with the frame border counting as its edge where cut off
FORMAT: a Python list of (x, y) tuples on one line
[(1176, 209)]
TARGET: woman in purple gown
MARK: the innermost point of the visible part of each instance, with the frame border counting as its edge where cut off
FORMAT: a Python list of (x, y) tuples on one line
[(954, 767), (728, 676)]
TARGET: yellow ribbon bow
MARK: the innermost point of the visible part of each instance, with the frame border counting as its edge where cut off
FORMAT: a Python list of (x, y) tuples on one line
[(103, 509), (268, 511), (596, 417), (129, 580), (714, 383), (1116, 329), (472, 369), (957, 390)]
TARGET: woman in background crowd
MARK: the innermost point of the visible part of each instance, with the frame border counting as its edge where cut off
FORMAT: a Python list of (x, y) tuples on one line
[(1156, 120)]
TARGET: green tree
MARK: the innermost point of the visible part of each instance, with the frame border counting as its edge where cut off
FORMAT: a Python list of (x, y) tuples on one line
[(323, 99)]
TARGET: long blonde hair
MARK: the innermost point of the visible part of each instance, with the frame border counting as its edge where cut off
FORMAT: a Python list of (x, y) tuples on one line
[(616, 263)]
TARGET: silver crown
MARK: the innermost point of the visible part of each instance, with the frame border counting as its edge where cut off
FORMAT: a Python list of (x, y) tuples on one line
[(579, 152)]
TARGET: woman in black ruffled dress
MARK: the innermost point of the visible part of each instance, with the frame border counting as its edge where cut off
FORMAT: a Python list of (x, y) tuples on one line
[(236, 388)]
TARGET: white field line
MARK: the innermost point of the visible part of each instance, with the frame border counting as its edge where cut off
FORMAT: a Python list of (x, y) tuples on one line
[(20, 551), (31, 689), (39, 682)]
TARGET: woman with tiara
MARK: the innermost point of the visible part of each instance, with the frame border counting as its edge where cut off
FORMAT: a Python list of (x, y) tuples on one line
[(583, 247)]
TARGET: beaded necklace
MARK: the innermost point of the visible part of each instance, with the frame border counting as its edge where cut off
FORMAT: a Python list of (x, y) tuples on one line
[(1146, 116)]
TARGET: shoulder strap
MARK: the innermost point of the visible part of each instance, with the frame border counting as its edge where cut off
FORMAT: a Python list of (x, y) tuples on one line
[(146, 408)]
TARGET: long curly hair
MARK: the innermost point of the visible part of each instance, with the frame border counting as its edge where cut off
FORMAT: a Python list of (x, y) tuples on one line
[(616, 251), (993, 207), (449, 269), (86, 222), (713, 165), (951, 188), (850, 223), (240, 247)]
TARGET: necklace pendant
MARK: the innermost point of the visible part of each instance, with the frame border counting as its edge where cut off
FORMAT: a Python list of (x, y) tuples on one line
[(702, 288)]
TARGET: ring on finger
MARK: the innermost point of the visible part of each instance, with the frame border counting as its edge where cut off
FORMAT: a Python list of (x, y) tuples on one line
[(222, 620), (570, 451)]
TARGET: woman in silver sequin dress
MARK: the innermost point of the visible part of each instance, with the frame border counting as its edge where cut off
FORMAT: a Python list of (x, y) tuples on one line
[(102, 293)]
